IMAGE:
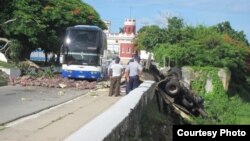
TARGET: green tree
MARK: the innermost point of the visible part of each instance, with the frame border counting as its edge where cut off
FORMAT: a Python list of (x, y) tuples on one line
[(26, 26), (174, 30), (149, 36), (206, 46), (5, 17), (42, 23), (226, 28), (58, 15), (207, 49)]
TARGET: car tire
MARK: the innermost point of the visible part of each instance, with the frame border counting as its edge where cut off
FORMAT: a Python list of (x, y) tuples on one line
[(176, 72), (172, 87), (186, 103)]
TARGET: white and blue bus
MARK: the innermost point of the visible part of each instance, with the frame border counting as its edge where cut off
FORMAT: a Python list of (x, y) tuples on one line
[(82, 51)]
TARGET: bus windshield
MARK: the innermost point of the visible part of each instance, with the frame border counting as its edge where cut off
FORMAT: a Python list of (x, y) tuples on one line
[(82, 41)]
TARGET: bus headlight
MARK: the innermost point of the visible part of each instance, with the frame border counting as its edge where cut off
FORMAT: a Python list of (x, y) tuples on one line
[(67, 40)]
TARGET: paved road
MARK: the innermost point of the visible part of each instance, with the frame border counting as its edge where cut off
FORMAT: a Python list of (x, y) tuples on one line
[(18, 101), (53, 124)]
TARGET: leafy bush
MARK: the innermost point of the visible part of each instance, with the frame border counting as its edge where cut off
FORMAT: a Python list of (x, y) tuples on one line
[(221, 108), (6, 65), (48, 72), (32, 71), (15, 49)]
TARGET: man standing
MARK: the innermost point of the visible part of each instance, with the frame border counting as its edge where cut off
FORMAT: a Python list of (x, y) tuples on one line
[(126, 82), (116, 71), (111, 63), (132, 73)]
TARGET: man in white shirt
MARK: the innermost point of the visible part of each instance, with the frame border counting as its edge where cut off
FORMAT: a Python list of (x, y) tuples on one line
[(111, 63), (115, 72)]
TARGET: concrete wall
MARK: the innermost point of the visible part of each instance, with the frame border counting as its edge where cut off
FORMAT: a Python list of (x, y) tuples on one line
[(189, 75), (121, 122), (12, 72), (3, 57)]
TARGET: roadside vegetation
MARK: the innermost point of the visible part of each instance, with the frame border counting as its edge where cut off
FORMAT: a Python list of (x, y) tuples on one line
[(2, 81), (206, 49), (41, 24), (221, 108), (6, 65)]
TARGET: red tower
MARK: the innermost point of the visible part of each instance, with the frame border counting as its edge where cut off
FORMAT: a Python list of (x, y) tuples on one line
[(129, 26)]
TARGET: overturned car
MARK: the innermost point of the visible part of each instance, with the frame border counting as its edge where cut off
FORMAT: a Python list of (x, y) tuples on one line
[(176, 92)]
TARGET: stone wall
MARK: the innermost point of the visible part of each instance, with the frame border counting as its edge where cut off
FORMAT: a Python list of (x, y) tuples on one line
[(12, 72), (189, 74)]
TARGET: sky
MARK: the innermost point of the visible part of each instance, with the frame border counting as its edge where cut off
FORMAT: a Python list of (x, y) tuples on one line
[(193, 12)]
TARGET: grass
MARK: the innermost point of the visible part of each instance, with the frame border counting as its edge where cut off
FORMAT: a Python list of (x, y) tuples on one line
[(6, 65), (243, 116), (243, 120), (2, 81)]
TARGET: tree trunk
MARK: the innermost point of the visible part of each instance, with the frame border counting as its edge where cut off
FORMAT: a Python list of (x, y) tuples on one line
[(26, 54), (46, 57), (58, 58)]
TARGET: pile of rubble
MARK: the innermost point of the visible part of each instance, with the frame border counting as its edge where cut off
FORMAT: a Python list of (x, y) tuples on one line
[(52, 82)]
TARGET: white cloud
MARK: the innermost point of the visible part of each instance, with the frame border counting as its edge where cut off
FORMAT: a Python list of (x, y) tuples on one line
[(162, 16)]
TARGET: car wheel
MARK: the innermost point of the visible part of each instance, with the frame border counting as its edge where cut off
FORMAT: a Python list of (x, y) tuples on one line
[(175, 72), (186, 103), (172, 87)]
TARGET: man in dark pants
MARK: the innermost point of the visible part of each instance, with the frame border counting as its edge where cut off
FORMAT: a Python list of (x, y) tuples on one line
[(116, 72), (126, 82), (132, 73)]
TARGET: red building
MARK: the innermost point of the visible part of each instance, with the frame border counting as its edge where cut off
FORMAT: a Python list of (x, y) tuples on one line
[(126, 50), (127, 47), (129, 26), (122, 43)]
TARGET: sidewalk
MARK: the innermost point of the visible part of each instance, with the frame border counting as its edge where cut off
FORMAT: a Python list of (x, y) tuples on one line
[(59, 122), (18, 101)]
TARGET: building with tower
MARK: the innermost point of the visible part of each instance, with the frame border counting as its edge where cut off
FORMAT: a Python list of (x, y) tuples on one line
[(121, 44)]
